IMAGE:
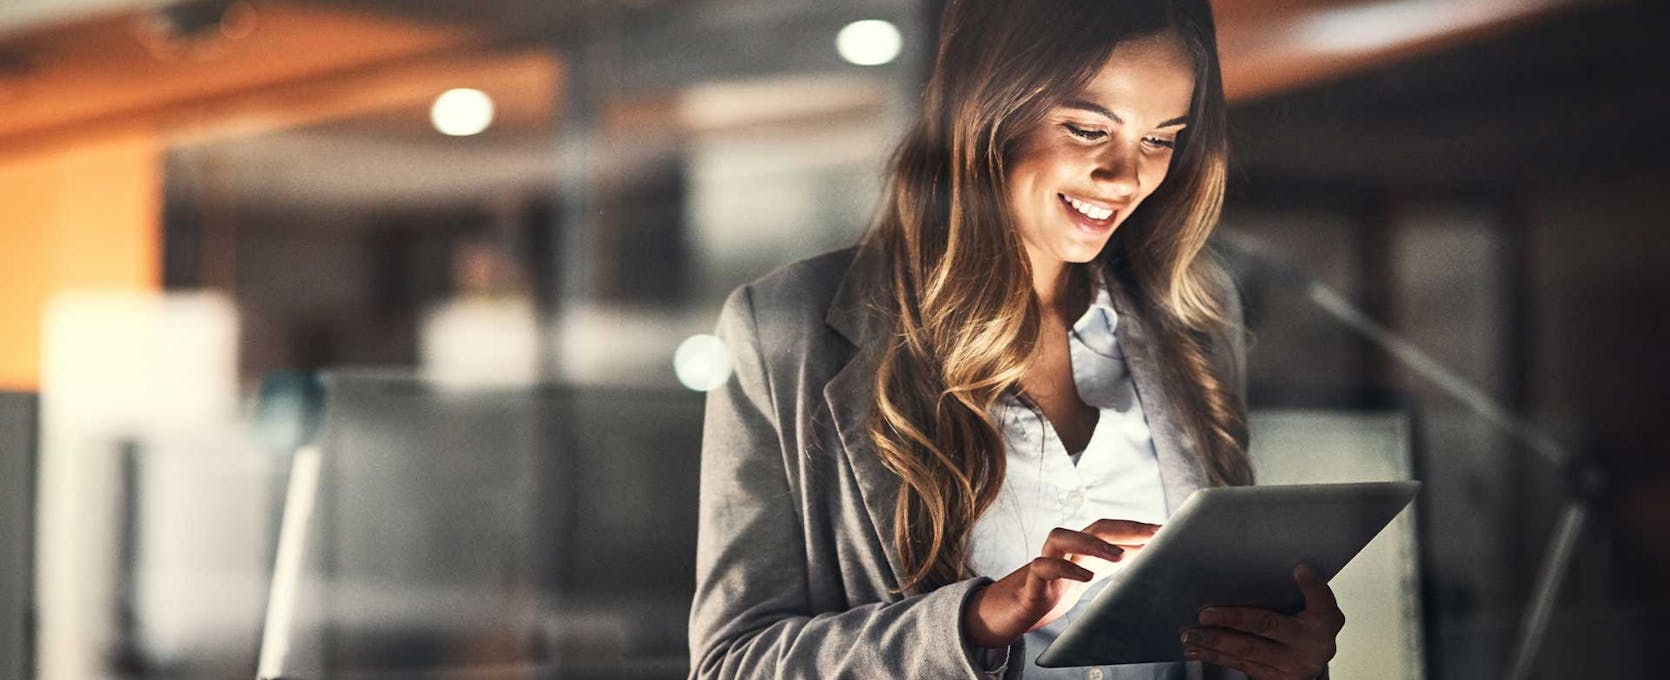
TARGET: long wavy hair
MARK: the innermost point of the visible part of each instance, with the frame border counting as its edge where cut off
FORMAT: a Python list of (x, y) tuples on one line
[(958, 294)]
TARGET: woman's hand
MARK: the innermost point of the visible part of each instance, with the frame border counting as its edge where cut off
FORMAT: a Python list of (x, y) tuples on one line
[(1042, 590), (1266, 645)]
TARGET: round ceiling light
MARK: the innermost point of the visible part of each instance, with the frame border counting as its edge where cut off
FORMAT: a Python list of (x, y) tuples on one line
[(871, 42), (462, 112)]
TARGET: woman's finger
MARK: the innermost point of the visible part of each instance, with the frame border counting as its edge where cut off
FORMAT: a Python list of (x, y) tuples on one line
[(1045, 569), (1261, 622), (1036, 592), (1253, 669), (1122, 531), (1252, 648), (1319, 598), (1063, 542)]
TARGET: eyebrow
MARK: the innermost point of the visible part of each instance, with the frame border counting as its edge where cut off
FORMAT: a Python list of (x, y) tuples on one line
[(1098, 109)]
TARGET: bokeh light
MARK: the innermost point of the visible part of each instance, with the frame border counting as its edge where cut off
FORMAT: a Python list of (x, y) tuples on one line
[(871, 42), (702, 363), (462, 112)]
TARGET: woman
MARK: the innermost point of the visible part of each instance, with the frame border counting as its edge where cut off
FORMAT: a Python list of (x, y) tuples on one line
[(935, 441)]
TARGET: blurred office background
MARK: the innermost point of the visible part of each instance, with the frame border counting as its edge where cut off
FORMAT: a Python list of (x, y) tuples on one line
[(363, 338)]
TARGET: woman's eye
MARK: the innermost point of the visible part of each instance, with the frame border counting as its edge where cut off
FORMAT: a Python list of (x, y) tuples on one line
[(1160, 143), (1085, 133)]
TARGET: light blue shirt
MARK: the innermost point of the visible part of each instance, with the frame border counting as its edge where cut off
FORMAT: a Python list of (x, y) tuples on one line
[(1117, 476)]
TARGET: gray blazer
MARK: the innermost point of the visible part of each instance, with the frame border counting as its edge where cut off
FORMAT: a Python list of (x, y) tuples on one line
[(794, 556)]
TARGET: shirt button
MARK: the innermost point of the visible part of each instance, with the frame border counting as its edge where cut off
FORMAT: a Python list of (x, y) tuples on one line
[(1095, 674), (1076, 499)]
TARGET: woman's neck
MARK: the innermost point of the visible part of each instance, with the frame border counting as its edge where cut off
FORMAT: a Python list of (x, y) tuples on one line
[(1058, 287)]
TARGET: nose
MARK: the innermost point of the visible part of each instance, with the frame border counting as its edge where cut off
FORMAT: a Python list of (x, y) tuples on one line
[(1115, 174)]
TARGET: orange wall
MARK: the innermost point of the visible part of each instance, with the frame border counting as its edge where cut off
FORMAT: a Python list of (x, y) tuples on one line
[(83, 216)]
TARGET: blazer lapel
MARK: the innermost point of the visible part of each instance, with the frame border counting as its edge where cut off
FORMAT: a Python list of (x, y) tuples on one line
[(1180, 475), (849, 394)]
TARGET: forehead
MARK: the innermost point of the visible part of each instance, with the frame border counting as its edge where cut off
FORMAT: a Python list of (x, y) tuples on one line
[(1151, 77)]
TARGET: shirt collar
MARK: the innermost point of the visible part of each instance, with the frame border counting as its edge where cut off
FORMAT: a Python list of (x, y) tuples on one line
[(1096, 327)]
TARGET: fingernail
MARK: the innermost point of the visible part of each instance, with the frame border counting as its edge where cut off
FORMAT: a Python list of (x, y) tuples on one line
[(1191, 653), (1191, 637), (1208, 617)]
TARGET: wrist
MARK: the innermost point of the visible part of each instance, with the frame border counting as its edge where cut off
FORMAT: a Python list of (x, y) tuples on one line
[(978, 628)]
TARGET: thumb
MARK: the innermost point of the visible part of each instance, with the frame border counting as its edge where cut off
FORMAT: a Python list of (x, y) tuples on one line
[(1318, 596)]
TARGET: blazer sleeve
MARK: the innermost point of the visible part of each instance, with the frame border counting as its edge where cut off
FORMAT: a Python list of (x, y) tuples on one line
[(751, 616)]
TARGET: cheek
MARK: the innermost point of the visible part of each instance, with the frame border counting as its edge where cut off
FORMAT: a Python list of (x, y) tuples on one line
[(1153, 174), (1018, 183), (1029, 173)]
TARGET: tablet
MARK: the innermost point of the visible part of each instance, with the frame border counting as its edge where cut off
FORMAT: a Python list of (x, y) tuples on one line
[(1225, 546)]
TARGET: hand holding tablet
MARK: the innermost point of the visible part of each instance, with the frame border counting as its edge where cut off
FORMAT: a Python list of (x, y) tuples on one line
[(1266, 644), (1234, 550)]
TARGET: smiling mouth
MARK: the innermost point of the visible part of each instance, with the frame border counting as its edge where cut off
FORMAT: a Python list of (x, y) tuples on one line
[(1089, 215)]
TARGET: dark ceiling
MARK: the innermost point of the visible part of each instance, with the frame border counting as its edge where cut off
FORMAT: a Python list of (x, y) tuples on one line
[(1580, 93), (1583, 95)]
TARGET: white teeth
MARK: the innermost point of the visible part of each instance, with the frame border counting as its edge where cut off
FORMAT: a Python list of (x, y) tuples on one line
[(1088, 210)]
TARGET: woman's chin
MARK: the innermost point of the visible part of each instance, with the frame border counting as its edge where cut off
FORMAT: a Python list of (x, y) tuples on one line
[(1080, 251)]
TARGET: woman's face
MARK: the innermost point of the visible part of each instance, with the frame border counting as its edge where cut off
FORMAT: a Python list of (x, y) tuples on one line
[(1073, 179)]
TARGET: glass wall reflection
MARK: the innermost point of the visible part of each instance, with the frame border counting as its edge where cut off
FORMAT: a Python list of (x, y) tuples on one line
[(366, 338)]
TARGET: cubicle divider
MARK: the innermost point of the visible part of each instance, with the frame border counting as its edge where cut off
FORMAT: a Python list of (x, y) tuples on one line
[(535, 531)]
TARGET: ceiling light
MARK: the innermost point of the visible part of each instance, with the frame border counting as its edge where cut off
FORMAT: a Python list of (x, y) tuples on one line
[(870, 42), (462, 112)]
